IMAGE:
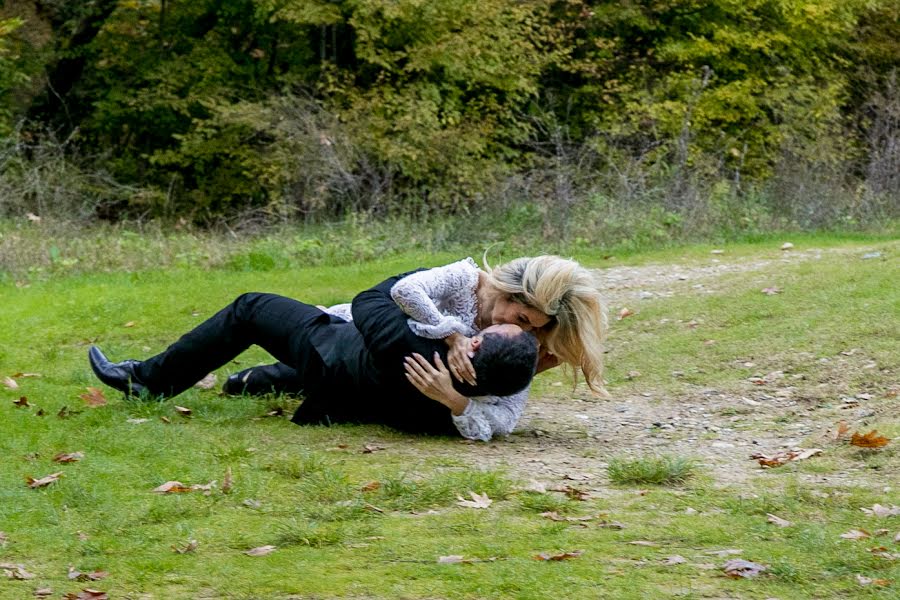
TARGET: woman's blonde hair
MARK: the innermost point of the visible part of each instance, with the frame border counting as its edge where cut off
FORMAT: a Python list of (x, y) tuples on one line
[(570, 295)]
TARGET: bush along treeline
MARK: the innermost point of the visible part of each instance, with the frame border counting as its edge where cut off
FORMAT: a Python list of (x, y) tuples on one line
[(734, 113)]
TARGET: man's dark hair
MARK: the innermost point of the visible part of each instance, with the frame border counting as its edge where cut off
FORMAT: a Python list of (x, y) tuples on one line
[(504, 364)]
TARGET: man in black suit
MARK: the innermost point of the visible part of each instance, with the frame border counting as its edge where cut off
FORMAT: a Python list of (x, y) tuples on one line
[(348, 371)]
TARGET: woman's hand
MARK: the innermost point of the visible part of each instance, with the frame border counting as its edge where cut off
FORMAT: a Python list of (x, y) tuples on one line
[(459, 357), (434, 381)]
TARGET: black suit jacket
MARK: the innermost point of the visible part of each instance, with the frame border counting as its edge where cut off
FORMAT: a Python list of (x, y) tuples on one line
[(362, 376)]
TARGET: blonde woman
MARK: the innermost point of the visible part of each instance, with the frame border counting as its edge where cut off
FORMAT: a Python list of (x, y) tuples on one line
[(555, 297)]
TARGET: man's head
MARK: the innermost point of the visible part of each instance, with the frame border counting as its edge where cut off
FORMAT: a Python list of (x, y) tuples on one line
[(504, 361)]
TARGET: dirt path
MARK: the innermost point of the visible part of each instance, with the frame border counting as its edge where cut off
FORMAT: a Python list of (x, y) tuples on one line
[(568, 438)]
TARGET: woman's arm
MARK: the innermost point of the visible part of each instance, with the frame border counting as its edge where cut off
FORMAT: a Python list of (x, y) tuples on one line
[(424, 294)]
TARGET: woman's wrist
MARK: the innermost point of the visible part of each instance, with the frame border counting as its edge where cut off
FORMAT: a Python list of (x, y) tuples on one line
[(455, 401)]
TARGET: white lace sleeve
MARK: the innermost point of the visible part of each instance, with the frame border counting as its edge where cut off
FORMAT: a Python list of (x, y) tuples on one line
[(341, 311), (440, 301), (487, 416)]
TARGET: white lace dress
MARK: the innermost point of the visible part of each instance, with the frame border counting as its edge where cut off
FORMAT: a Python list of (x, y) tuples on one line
[(441, 301)]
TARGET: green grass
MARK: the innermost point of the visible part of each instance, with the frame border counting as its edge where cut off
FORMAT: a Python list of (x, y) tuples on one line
[(655, 470), (302, 489)]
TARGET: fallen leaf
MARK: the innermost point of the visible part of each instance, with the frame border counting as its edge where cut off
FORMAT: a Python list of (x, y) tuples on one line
[(370, 448), (477, 501), (856, 534), (771, 291), (10, 383), (63, 457), (65, 413), (183, 411), (841, 430), (94, 397), (571, 492), (864, 581), (878, 510), (22, 402), (129, 324), (555, 516), (778, 520), (16, 571), (787, 246), (674, 560), (726, 552), (189, 547), (373, 508), (172, 487), (137, 421), (43, 592), (783, 457), (205, 488), (371, 486), (87, 594), (560, 556), (250, 503), (260, 551), (227, 481), (25, 375), (207, 383), (165, 419), (451, 559), (75, 575), (738, 567), (643, 543), (625, 312), (610, 525), (869, 440), (43, 481), (579, 476)]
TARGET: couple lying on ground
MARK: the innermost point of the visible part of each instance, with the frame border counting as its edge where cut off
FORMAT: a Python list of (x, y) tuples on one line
[(448, 350)]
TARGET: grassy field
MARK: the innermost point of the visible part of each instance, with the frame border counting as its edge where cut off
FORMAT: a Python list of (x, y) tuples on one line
[(364, 512)]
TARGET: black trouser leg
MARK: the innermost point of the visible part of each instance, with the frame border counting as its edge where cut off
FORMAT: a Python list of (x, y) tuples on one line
[(277, 324), (277, 378)]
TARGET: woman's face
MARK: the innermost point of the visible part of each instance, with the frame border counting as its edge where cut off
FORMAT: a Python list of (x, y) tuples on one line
[(516, 313)]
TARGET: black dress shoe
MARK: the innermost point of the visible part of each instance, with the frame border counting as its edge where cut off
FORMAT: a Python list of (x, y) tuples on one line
[(119, 375), (236, 384)]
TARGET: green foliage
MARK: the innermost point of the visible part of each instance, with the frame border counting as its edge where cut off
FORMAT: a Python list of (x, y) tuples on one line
[(294, 108)]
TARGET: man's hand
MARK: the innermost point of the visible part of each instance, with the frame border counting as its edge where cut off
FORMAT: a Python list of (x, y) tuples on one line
[(434, 381), (459, 357)]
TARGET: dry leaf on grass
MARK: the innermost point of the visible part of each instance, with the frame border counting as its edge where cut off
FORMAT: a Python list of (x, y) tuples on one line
[(94, 397), (455, 559), (43, 481), (371, 486), (87, 594), (260, 551), (16, 571), (370, 448), (22, 402), (555, 516), (76, 575), (726, 552), (10, 383), (643, 543), (207, 383), (738, 567), (43, 592), (841, 431), (864, 581), (477, 501), (625, 312), (64, 457), (172, 487), (856, 534), (771, 291), (187, 548), (227, 481), (183, 411), (869, 440), (878, 510), (784, 457), (776, 520), (675, 559), (560, 556)]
